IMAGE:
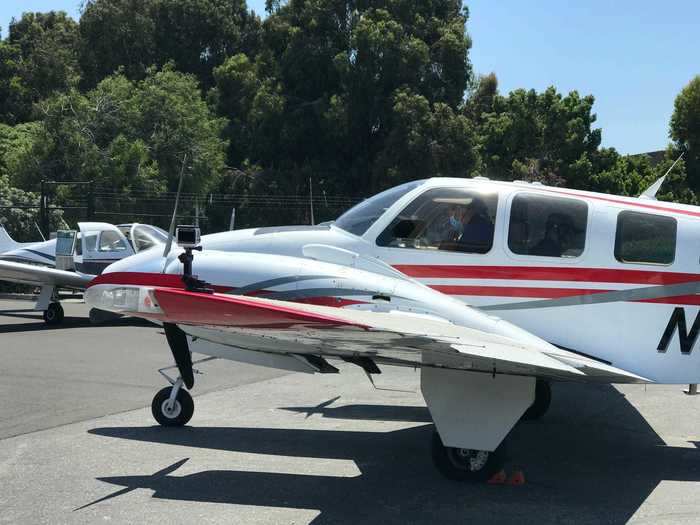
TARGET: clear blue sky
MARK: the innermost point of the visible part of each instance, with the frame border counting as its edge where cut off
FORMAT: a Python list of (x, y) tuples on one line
[(633, 56)]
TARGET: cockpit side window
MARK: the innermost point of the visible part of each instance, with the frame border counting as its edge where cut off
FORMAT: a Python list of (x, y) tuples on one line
[(359, 218), (547, 226), (450, 219), (111, 242), (90, 240)]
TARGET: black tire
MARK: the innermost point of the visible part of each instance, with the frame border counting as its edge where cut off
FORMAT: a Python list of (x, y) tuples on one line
[(54, 314), (182, 410), (465, 465), (543, 398)]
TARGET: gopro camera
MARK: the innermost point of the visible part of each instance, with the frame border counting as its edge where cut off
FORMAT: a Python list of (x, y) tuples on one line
[(187, 236)]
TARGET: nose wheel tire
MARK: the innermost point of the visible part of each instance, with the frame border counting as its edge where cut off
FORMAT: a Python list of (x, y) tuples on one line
[(177, 415), (53, 314), (461, 464), (543, 398)]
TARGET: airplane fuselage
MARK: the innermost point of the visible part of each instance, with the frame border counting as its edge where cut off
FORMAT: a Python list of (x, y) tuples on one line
[(560, 299)]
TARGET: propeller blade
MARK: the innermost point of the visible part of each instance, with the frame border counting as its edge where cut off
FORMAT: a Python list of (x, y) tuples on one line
[(171, 230)]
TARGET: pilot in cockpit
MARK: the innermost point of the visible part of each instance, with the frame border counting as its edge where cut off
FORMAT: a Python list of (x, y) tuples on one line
[(477, 227), (448, 227)]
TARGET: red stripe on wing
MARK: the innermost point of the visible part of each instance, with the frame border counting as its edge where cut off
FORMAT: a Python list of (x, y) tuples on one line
[(180, 306)]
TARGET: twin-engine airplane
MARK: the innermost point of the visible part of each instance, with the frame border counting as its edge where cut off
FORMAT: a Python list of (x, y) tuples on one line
[(72, 259), (493, 289)]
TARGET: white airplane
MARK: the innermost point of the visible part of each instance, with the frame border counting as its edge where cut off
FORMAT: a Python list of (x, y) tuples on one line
[(72, 259), (493, 289)]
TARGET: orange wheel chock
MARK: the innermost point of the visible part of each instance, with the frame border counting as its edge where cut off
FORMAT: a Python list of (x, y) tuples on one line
[(499, 478), (517, 478)]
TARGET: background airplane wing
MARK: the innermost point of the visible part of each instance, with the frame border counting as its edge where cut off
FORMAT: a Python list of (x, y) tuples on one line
[(256, 323), (40, 275)]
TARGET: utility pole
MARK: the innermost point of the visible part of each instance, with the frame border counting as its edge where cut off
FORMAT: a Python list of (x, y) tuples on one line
[(90, 213), (311, 202), (43, 211), (232, 222)]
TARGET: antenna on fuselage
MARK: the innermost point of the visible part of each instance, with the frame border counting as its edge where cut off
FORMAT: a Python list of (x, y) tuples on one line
[(650, 192)]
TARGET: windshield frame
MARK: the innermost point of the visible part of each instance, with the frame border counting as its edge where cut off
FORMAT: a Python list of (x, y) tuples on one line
[(382, 200)]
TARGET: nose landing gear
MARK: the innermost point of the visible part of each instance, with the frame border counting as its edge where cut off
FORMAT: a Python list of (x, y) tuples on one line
[(173, 405)]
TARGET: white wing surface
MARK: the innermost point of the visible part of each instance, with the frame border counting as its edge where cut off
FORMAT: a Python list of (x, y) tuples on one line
[(40, 275), (255, 323)]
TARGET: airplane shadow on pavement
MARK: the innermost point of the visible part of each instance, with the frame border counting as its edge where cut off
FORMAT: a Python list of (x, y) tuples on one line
[(69, 322), (592, 459)]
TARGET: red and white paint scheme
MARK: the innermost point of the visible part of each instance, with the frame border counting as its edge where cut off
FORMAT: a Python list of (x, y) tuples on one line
[(493, 289)]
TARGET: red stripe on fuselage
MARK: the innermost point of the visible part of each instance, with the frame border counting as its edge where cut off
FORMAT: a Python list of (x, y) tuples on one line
[(612, 199), (546, 273)]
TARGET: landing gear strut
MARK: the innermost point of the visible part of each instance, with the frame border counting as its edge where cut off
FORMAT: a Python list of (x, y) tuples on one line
[(461, 464), (173, 406), (53, 314)]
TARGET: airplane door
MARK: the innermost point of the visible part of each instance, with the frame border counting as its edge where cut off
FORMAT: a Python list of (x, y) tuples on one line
[(102, 244)]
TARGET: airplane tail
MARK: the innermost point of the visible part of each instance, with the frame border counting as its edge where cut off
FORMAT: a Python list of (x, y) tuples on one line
[(7, 243)]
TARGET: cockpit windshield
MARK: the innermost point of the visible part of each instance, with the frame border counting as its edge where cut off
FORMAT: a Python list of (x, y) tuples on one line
[(360, 217), (145, 236)]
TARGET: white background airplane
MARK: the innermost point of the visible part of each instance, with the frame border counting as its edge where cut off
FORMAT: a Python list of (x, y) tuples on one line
[(493, 289), (72, 262)]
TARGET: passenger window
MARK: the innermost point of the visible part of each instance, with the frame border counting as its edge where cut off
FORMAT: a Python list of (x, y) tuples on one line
[(111, 242), (451, 219), (547, 226), (645, 238)]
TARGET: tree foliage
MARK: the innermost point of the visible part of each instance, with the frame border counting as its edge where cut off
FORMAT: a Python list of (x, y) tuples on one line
[(685, 129), (128, 135), (133, 35)]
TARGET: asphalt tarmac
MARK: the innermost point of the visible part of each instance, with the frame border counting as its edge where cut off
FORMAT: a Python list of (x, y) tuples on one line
[(78, 443)]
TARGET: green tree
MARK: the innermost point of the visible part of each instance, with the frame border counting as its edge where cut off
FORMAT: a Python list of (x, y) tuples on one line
[(15, 97), (116, 35), (128, 135), (360, 80), (132, 35), (540, 136), (685, 129), (426, 140), (47, 44)]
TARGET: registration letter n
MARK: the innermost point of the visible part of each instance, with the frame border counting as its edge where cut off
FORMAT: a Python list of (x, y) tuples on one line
[(686, 340)]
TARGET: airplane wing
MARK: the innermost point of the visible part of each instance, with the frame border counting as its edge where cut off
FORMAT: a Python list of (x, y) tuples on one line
[(256, 323), (40, 275)]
